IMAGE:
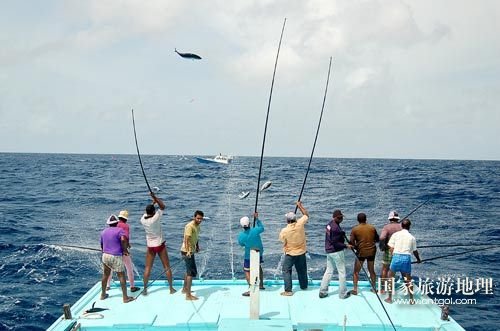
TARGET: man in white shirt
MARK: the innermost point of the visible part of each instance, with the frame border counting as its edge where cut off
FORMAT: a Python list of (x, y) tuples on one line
[(151, 221), (402, 244)]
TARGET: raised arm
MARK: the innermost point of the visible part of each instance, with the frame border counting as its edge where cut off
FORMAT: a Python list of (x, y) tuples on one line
[(158, 201), (302, 209)]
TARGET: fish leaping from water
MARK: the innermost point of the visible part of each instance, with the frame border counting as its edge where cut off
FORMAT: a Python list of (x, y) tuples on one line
[(188, 55), (266, 185), (243, 194)]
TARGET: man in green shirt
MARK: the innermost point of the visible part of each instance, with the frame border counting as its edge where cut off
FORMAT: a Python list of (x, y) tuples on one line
[(189, 247)]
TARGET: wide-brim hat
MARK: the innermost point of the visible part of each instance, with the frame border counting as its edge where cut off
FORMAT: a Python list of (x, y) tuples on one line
[(393, 215), (112, 220), (123, 214)]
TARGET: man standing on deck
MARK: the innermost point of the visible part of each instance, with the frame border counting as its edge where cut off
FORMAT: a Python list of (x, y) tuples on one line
[(334, 248), (151, 221), (363, 238), (293, 237), (189, 247), (250, 239), (127, 259), (387, 231), (114, 244), (402, 244)]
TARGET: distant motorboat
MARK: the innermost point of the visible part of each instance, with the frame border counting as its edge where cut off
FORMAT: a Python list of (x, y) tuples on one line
[(223, 159)]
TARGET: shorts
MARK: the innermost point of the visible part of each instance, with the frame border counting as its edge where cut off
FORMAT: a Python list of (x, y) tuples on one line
[(401, 263), (367, 258), (246, 263), (113, 262), (387, 257), (157, 249), (190, 264)]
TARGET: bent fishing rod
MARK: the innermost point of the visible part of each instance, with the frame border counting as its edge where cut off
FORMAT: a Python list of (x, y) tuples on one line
[(317, 132), (370, 281), (455, 254), (139, 154), (267, 119)]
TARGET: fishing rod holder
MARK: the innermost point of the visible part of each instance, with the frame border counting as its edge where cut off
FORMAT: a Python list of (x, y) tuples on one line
[(67, 311)]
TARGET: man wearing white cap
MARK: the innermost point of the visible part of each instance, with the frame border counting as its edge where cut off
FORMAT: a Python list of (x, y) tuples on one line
[(114, 245), (127, 259), (250, 239), (293, 237), (387, 231)]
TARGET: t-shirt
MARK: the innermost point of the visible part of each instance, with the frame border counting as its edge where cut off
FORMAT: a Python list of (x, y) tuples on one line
[(125, 228), (191, 230), (152, 226), (250, 239), (403, 242), (111, 241), (364, 236), (293, 237)]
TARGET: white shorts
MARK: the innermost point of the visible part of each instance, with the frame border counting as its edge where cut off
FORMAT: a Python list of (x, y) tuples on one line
[(115, 263)]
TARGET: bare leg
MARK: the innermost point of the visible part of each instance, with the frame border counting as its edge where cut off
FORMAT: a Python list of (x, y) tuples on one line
[(166, 265), (409, 284), (261, 276), (383, 275), (106, 272), (373, 276), (123, 285), (150, 257), (355, 276), (390, 288), (188, 280)]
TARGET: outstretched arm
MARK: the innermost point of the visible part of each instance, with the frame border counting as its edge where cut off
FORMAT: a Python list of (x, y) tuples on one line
[(158, 201), (302, 209)]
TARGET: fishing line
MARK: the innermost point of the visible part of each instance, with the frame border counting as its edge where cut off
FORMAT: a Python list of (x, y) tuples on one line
[(79, 247), (372, 285), (139, 154), (267, 118), (455, 254), (158, 277), (317, 132)]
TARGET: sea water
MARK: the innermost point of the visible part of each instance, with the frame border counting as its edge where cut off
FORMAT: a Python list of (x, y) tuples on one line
[(48, 200)]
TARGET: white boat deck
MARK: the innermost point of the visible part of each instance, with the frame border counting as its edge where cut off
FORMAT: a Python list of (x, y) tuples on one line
[(222, 307)]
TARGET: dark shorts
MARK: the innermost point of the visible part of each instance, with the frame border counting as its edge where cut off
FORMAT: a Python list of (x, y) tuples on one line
[(367, 258), (157, 249), (190, 265), (246, 264)]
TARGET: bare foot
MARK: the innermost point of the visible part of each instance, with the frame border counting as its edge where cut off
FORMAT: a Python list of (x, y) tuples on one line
[(388, 300), (412, 301), (172, 290), (382, 291), (191, 297), (354, 292), (145, 292), (286, 293), (105, 296), (185, 291), (128, 299)]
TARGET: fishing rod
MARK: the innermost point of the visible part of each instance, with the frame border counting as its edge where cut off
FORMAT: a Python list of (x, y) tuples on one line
[(139, 154), (455, 245), (317, 132), (414, 210), (372, 285), (455, 254), (267, 118), (79, 247)]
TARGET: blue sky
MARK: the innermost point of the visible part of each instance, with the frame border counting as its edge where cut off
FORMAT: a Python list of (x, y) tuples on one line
[(410, 79)]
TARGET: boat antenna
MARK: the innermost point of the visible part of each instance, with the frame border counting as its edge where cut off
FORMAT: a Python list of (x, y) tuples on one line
[(317, 132), (372, 285), (267, 118), (455, 254), (139, 154)]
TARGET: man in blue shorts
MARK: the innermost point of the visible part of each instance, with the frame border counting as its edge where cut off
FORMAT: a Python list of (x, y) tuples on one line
[(250, 239), (402, 244)]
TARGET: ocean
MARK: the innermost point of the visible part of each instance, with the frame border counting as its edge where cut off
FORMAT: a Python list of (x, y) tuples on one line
[(51, 200)]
